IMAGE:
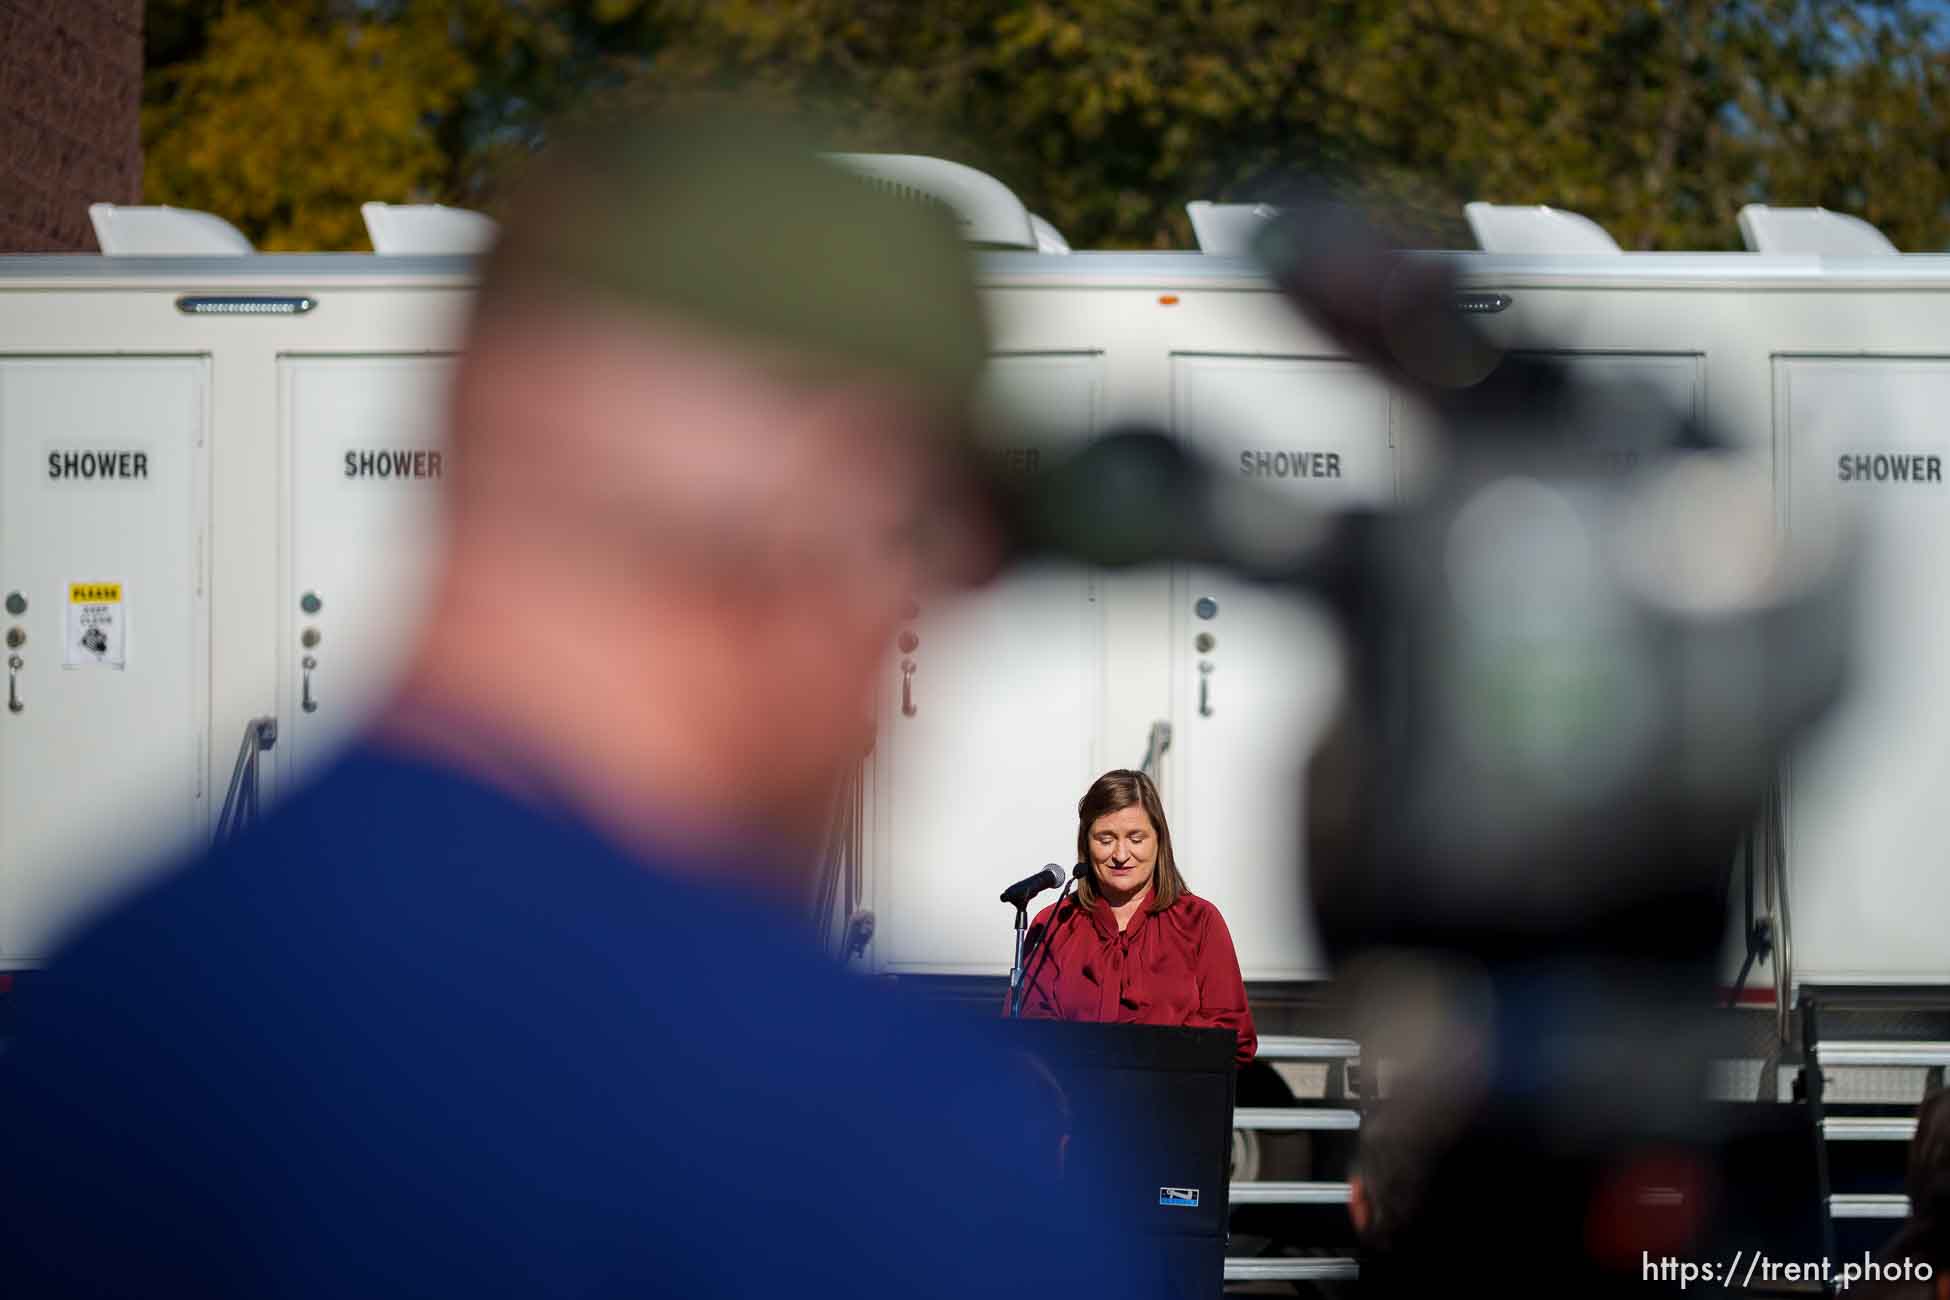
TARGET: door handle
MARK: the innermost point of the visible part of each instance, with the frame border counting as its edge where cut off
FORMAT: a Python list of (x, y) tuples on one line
[(1155, 747), (1204, 689), (907, 687), (14, 703), (310, 705)]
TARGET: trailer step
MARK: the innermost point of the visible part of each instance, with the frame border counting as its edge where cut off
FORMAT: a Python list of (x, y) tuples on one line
[(1882, 1053), (1289, 1193), (1866, 1129), (1868, 1207), (1323, 1269), (1282, 1047), (1295, 1118)]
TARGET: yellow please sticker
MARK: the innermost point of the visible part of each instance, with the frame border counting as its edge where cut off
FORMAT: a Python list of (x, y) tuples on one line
[(94, 593)]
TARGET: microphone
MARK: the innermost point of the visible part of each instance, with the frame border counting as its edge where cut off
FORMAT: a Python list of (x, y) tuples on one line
[(1023, 890)]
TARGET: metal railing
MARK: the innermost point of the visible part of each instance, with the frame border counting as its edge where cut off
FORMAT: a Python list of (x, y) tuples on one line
[(1155, 746), (1868, 1206), (1331, 1052), (1769, 932), (1868, 1128), (1898, 1053), (1290, 1193), (1819, 1055), (1297, 1119), (841, 876), (1777, 906), (1284, 1047), (240, 805), (1322, 1268)]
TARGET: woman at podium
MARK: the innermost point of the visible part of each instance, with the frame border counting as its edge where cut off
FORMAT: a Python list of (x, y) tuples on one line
[(1134, 945)]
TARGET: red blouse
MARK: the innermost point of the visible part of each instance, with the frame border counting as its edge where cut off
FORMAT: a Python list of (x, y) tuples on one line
[(1175, 967)]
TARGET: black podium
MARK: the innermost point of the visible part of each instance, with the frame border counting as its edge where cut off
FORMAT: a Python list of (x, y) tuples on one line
[(1149, 1118)]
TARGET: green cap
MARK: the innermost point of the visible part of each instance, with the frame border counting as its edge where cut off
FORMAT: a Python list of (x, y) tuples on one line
[(739, 226)]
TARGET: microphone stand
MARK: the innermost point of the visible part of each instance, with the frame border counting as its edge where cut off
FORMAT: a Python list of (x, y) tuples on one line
[(1015, 972), (1018, 986)]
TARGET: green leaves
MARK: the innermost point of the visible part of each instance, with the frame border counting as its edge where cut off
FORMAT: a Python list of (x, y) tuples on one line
[(1658, 118)]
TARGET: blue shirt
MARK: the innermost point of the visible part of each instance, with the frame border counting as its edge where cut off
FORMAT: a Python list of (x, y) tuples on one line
[(411, 1037)]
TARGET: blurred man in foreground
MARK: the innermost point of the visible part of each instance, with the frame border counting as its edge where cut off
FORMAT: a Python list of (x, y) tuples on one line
[(1924, 1238), (514, 1000), (1388, 1186)]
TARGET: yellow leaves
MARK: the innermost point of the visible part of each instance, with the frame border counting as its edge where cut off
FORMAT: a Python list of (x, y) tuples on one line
[(284, 127), (1209, 88), (1087, 118), (1020, 31)]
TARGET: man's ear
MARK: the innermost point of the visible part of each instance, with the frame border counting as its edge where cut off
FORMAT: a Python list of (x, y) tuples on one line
[(1359, 1210)]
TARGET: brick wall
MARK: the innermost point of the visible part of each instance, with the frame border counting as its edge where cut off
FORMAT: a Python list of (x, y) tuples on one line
[(70, 130)]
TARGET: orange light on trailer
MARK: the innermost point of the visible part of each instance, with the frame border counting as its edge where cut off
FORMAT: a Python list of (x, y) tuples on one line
[(1167, 300)]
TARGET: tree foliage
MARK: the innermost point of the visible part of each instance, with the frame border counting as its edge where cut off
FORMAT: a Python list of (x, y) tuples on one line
[(284, 115), (1658, 118), (284, 124)]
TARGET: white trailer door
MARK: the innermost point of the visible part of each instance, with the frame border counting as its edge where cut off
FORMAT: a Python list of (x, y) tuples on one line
[(990, 739), (1254, 671), (102, 517), (1869, 859), (365, 458)]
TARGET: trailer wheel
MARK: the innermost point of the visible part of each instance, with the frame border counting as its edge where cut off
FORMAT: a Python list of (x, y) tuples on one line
[(1268, 1157), (1245, 1156)]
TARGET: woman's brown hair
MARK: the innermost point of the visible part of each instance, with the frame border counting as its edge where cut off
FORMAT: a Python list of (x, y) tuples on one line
[(1114, 792)]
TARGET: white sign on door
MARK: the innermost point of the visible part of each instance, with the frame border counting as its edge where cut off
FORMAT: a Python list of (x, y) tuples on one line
[(98, 626)]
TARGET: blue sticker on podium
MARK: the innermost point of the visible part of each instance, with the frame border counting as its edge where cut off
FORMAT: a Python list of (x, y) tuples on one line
[(1178, 1196)]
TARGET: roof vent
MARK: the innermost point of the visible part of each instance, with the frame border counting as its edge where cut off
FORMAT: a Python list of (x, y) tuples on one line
[(1228, 229), (1048, 238), (426, 228), (988, 211), (1535, 229), (1814, 231), (164, 232)]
